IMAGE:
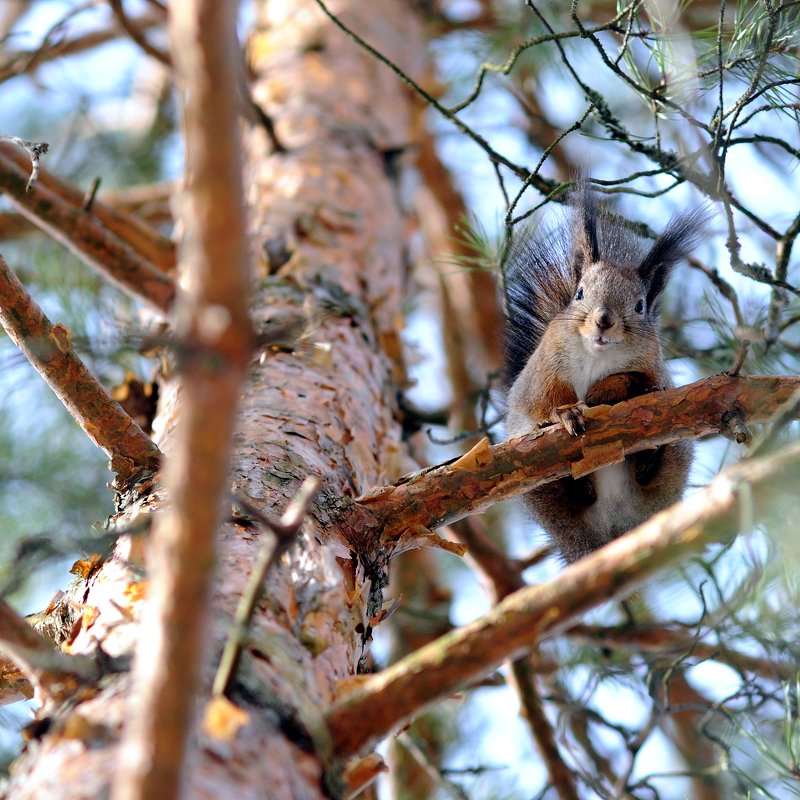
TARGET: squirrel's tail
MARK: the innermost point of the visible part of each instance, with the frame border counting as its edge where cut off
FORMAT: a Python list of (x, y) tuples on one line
[(538, 286)]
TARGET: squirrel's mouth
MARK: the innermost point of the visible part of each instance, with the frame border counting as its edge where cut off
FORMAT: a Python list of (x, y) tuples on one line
[(598, 340)]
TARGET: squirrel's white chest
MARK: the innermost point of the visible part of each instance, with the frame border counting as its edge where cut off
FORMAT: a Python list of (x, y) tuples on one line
[(617, 507), (584, 372)]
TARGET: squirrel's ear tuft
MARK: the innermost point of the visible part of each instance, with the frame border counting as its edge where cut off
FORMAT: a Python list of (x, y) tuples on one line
[(585, 246), (681, 236)]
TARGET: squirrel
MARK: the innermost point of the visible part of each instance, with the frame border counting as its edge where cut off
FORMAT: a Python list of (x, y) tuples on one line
[(582, 305)]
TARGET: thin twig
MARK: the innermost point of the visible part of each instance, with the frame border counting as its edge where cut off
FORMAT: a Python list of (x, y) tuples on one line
[(137, 34), (505, 575), (261, 116), (91, 193), (562, 778), (437, 776), (496, 157), (662, 639), (723, 287), (53, 44), (785, 414), (739, 359), (285, 532)]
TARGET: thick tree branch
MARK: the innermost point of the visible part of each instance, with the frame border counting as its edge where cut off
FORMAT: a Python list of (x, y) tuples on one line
[(211, 313), (485, 475), (84, 234), (765, 487), (49, 349)]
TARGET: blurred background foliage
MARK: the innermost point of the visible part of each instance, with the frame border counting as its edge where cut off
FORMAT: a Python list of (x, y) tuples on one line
[(671, 105)]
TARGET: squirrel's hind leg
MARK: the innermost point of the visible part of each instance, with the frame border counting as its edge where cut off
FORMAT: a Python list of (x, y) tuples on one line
[(662, 474), (559, 508)]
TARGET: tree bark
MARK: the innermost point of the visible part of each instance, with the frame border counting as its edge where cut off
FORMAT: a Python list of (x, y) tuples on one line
[(325, 409)]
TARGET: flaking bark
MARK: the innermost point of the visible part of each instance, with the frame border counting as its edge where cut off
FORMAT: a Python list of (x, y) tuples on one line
[(425, 500)]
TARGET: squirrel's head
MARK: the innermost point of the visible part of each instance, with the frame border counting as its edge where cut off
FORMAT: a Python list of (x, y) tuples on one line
[(618, 288), (609, 306)]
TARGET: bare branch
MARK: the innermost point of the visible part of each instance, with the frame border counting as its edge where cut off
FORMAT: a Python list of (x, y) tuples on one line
[(49, 349), (54, 46), (561, 777), (49, 670), (506, 577), (137, 34), (128, 227), (386, 700), (35, 150), (495, 157), (284, 531), (83, 234), (214, 313), (488, 474), (664, 640)]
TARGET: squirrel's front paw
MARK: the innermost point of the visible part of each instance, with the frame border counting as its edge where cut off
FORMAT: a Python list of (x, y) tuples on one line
[(571, 417)]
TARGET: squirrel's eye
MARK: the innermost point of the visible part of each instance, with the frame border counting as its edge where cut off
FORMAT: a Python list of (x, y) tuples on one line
[(579, 295), (639, 307)]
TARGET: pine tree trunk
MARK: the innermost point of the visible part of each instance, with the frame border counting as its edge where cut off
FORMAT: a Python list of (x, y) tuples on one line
[(328, 230)]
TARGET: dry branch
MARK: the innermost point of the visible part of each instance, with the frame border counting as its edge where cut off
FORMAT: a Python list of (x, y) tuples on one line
[(137, 34), (49, 670), (146, 240), (505, 575), (284, 531), (49, 349), (213, 314), (562, 778), (83, 233), (35, 150), (488, 474), (51, 48), (390, 698)]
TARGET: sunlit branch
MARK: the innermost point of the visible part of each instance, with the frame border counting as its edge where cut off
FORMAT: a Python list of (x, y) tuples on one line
[(88, 238), (424, 500), (49, 349), (388, 699)]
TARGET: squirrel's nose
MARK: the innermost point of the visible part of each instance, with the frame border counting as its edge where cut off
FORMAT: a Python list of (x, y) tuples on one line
[(603, 319)]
